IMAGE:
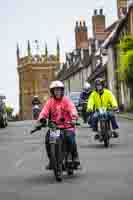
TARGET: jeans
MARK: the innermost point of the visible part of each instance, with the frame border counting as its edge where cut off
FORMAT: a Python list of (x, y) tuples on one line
[(110, 116)]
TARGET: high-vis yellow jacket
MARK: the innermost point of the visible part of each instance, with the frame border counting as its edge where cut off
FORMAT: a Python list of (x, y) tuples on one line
[(105, 100)]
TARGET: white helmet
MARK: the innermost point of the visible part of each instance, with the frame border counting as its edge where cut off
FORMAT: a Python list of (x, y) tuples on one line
[(56, 84), (87, 85), (35, 96)]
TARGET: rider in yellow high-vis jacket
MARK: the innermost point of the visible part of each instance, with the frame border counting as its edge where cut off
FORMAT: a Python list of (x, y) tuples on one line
[(102, 98), (105, 100)]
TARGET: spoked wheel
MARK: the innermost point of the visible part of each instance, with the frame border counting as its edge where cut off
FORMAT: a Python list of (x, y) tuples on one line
[(56, 162)]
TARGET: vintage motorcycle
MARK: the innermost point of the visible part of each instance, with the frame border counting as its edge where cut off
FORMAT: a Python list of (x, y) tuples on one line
[(60, 151), (104, 128), (36, 111)]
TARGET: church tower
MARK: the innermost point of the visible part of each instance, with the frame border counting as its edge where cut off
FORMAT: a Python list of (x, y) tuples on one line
[(122, 7), (35, 74)]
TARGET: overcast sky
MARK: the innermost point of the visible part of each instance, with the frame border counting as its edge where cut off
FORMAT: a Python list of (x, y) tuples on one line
[(42, 20)]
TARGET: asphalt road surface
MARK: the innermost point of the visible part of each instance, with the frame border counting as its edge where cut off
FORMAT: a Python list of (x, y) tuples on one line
[(107, 174)]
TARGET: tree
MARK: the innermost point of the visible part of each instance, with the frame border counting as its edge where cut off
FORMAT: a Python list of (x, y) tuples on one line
[(9, 111), (125, 67)]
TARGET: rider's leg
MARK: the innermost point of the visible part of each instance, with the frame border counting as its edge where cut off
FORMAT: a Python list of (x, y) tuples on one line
[(71, 137), (113, 123), (90, 115), (95, 121)]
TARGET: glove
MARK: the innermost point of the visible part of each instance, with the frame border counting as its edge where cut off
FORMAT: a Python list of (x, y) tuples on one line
[(43, 122), (115, 109), (37, 127)]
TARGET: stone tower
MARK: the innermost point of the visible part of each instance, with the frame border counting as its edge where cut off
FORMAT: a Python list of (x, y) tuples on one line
[(81, 35), (98, 23), (122, 7), (35, 74)]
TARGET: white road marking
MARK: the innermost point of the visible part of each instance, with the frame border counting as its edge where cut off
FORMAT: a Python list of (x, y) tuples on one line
[(19, 163)]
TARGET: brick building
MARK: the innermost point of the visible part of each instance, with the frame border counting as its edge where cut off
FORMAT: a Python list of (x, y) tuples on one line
[(35, 73)]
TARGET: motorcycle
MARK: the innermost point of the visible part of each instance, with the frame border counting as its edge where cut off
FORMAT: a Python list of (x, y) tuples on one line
[(105, 131), (36, 111), (60, 154)]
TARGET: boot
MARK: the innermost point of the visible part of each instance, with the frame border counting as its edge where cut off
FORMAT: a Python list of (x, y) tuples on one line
[(115, 134), (49, 166)]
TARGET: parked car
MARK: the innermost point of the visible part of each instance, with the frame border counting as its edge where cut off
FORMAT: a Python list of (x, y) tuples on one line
[(3, 114), (75, 96)]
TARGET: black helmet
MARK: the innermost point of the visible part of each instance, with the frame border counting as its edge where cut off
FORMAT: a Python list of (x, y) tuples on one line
[(98, 82)]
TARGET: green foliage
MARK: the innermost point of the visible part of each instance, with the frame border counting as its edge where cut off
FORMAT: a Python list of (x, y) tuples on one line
[(126, 44), (9, 110), (130, 107), (125, 68)]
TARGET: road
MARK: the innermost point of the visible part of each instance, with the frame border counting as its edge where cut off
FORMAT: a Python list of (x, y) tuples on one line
[(107, 174)]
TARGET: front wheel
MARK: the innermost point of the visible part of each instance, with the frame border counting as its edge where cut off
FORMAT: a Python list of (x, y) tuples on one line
[(106, 140), (55, 161), (105, 133)]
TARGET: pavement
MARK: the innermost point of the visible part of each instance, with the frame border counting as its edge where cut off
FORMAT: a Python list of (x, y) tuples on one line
[(107, 174), (126, 115)]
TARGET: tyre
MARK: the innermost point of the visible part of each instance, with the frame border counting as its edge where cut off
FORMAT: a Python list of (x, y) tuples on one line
[(58, 175), (104, 131), (70, 172), (53, 156), (56, 162), (106, 142), (106, 138), (2, 123)]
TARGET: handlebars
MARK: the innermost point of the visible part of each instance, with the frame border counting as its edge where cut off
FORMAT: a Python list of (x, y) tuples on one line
[(52, 125), (108, 110)]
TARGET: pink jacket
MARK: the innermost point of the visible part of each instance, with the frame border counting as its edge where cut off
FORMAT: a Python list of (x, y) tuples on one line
[(58, 109)]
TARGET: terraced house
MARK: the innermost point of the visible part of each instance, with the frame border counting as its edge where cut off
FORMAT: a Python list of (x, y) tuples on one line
[(98, 56)]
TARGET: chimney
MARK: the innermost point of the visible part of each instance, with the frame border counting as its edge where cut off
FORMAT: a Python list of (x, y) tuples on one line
[(122, 7), (98, 22), (95, 12), (18, 53), (101, 11), (81, 35)]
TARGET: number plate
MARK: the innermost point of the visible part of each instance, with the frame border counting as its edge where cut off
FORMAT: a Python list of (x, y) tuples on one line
[(55, 134)]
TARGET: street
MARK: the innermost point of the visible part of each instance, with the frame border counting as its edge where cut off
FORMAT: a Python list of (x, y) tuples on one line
[(106, 174)]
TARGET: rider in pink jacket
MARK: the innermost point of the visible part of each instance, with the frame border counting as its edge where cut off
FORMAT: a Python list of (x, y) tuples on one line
[(58, 109), (61, 110)]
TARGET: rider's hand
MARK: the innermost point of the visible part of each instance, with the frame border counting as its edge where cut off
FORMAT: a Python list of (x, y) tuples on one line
[(115, 109), (43, 122), (38, 125)]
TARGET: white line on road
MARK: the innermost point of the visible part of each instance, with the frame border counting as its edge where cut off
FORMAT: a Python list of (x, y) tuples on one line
[(19, 163)]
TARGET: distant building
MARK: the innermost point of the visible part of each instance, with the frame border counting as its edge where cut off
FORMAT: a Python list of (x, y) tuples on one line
[(77, 66), (35, 74)]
